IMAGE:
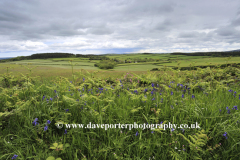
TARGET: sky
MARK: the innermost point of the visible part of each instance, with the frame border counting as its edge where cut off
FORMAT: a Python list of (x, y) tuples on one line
[(118, 26)]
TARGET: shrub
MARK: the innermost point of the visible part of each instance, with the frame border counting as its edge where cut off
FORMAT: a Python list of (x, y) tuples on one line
[(105, 64)]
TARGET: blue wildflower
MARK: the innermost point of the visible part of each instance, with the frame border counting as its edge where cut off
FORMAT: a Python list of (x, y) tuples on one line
[(35, 121), (220, 110), (193, 96), (51, 99), (48, 121), (77, 100), (172, 107), (146, 91), (182, 95), (169, 86), (70, 81), (230, 90), (66, 110), (43, 97), (137, 133), (235, 107), (65, 131), (152, 92), (152, 84), (45, 128), (153, 99), (228, 111), (83, 79), (225, 135), (172, 130), (226, 108), (183, 130), (152, 132), (171, 93), (15, 156), (55, 91)]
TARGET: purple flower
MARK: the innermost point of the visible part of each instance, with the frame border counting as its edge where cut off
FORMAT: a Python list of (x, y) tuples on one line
[(48, 121), (77, 100), (226, 108), (15, 156), (228, 111), (65, 132), (35, 122), (235, 107), (182, 95), (220, 110), (193, 96), (153, 99), (172, 130), (225, 135), (45, 128), (171, 93), (137, 133), (55, 91), (152, 132), (66, 110), (51, 99), (43, 97), (83, 79), (70, 81)]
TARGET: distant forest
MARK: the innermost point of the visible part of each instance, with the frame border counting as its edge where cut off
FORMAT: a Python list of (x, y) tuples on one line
[(55, 55), (103, 57), (213, 54)]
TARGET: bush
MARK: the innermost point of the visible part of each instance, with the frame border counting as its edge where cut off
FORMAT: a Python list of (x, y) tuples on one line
[(106, 64)]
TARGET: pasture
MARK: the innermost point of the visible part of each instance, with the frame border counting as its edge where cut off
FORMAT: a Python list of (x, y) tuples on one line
[(37, 95)]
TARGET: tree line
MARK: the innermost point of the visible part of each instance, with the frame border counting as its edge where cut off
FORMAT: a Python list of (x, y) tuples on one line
[(213, 54)]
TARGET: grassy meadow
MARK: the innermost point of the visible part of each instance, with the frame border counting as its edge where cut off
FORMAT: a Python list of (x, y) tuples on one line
[(40, 99)]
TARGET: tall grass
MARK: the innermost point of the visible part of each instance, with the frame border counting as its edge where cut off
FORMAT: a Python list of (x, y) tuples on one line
[(208, 97)]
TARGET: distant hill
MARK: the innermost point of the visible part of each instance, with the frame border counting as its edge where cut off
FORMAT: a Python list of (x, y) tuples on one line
[(5, 57)]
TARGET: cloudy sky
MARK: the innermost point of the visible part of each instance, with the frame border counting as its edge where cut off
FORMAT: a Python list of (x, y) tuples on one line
[(118, 26)]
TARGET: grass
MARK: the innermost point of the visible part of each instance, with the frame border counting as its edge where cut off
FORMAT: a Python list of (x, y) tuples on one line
[(182, 97)]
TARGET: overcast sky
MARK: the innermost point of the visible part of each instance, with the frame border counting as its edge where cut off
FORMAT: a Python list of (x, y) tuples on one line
[(118, 26)]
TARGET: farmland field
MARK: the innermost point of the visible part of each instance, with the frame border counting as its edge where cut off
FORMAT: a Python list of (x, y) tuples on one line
[(38, 96)]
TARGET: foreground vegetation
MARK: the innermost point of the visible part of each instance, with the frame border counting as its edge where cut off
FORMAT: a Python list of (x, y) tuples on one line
[(31, 108)]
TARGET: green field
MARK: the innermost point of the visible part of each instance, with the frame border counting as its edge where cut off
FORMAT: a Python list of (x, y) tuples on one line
[(38, 95)]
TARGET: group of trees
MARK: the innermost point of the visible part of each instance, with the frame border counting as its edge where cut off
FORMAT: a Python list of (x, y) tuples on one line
[(213, 54)]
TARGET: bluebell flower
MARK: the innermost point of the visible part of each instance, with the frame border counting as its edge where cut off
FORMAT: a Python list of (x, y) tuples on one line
[(226, 108), (157, 85), (51, 99), (146, 91), (83, 79), (137, 133), (135, 91), (230, 90), (43, 97), (182, 95), (35, 122), (161, 122), (55, 91), (45, 128), (85, 104), (153, 99), (120, 81), (66, 110), (65, 131), (220, 110), (152, 132), (152, 92), (169, 86), (228, 111), (70, 81), (171, 93), (77, 100), (69, 90), (235, 107), (152, 85), (83, 89), (172, 107), (172, 129), (48, 121), (225, 135), (193, 96), (160, 93), (15, 156)]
